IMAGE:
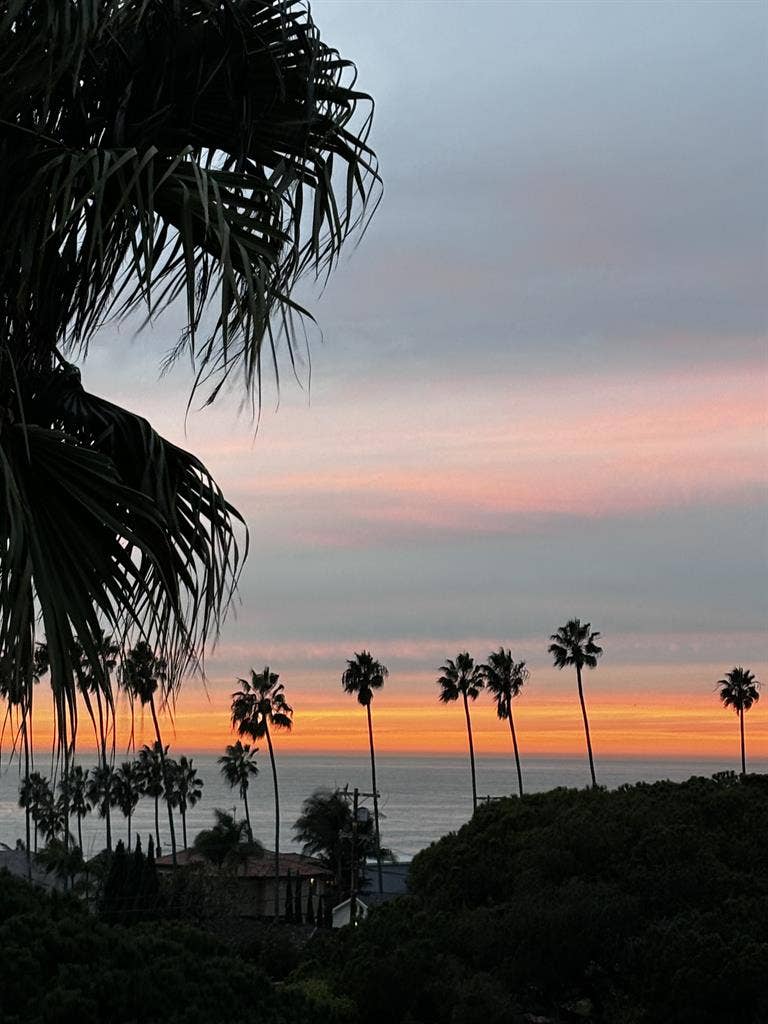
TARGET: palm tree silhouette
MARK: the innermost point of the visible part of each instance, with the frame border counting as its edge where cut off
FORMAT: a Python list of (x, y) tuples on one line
[(575, 644), (128, 787), (504, 679), (34, 794), (740, 690), (100, 793), (187, 789), (93, 674), (227, 842), (362, 676), (16, 687), (141, 676), (258, 705), (212, 153), (151, 772), (462, 678), (77, 788), (238, 766)]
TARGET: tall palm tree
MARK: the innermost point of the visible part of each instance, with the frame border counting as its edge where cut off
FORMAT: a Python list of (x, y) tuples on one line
[(238, 766), (462, 678), (128, 786), (362, 676), (152, 150), (187, 789), (324, 827), (740, 690), (100, 792), (141, 676), (576, 644), (76, 784), (35, 794), (93, 675), (258, 705), (504, 679), (151, 773)]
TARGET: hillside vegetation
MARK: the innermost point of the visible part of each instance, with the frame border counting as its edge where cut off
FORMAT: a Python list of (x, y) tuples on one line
[(647, 905), (644, 905)]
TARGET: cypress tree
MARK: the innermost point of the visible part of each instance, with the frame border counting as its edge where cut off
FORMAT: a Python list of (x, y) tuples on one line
[(297, 901), (309, 916), (115, 886), (289, 899)]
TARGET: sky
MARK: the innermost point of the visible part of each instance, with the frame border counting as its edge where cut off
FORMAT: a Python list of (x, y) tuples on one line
[(539, 392)]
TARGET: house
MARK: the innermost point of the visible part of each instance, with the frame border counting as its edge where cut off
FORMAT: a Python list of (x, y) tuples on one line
[(394, 879), (15, 863), (254, 878)]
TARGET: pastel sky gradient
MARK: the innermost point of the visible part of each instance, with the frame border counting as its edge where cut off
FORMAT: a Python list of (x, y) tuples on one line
[(540, 391)]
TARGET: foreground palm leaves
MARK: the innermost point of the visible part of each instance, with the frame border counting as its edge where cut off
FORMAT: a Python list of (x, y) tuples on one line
[(150, 150)]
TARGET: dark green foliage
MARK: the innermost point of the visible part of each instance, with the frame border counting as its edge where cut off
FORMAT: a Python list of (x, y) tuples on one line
[(60, 964), (297, 900), (644, 905), (131, 889), (289, 900)]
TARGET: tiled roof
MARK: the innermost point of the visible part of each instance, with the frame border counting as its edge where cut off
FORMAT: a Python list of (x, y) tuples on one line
[(258, 867)]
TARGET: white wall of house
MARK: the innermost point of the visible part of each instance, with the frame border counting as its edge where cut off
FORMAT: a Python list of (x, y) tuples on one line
[(341, 913)]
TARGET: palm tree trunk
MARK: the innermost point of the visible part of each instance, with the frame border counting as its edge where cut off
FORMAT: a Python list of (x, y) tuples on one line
[(277, 822), (165, 780), (129, 833), (157, 822), (184, 825), (108, 820), (517, 752), (26, 806), (375, 799), (244, 793), (471, 753), (80, 830), (743, 748), (586, 726), (103, 743)]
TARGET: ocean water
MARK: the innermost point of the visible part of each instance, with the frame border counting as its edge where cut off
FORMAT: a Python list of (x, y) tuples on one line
[(422, 798)]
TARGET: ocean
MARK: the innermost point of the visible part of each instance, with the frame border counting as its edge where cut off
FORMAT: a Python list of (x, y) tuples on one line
[(422, 798)]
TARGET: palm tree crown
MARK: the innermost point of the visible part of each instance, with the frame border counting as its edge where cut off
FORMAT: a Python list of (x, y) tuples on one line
[(460, 678), (260, 703), (363, 675), (142, 673), (504, 678), (739, 689), (575, 644), (238, 765)]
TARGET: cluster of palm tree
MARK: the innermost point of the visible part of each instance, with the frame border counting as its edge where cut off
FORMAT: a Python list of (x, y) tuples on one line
[(109, 787), (573, 644)]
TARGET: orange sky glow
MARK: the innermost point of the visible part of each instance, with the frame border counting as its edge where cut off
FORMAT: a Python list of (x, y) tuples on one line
[(641, 723)]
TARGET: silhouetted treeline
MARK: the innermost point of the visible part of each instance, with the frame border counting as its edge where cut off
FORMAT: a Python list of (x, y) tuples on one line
[(637, 906)]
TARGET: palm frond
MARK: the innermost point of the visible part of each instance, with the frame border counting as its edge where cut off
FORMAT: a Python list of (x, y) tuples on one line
[(150, 150)]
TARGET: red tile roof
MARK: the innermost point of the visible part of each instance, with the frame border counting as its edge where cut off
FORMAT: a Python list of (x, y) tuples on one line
[(258, 867)]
